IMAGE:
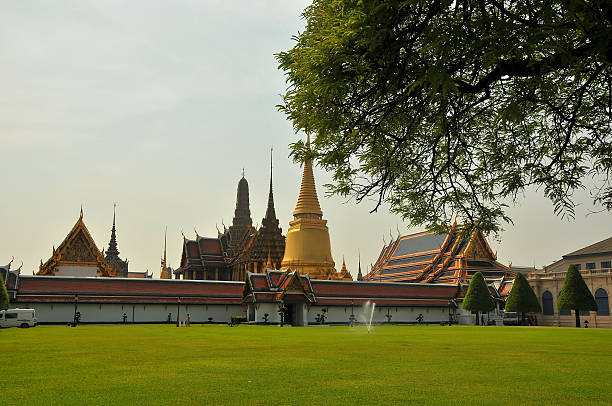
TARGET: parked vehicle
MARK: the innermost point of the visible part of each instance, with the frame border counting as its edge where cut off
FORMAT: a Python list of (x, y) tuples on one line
[(511, 319), (23, 318)]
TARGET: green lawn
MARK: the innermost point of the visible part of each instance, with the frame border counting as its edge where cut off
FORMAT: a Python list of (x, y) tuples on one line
[(165, 365)]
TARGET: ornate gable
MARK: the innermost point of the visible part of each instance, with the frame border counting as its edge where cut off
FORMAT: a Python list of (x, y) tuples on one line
[(478, 248), (78, 248)]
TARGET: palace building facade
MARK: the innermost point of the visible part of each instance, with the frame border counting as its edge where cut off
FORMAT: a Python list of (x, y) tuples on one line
[(595, 265)]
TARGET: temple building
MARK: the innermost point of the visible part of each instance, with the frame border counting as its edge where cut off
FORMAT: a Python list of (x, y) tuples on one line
[(203, 259), (308, 248), (263, 248), (77, 255), (449, 258), (120, 267)]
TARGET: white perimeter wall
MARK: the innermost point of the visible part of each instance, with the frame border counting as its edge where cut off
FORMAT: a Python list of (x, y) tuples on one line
[(136, 313), (158, 313), (341, 314)]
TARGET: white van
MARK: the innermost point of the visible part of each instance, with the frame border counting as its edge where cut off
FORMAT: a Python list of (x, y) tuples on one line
[(18, 318)]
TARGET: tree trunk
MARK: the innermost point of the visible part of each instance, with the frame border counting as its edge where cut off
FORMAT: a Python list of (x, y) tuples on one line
[(577, 318), (523, 319), (478, 318)]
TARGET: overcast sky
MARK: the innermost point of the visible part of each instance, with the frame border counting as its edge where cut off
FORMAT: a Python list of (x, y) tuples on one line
[(158, 106)]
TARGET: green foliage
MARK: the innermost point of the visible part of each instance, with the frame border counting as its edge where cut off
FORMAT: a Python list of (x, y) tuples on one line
[(575, 294), (522, 298), (454, 107), (4, 297), (478, 298), (238, 319)]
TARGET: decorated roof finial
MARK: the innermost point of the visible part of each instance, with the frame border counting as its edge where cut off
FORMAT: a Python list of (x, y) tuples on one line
[(196, 231), (81, 214), (243, 172)]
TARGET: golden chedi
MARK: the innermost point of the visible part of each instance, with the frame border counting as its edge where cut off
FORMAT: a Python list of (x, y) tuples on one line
[(308, 248)]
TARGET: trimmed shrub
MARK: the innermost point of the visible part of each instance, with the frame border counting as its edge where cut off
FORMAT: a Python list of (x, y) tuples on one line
[(522, 298), (575, 294), (478, 298), (4, 297)]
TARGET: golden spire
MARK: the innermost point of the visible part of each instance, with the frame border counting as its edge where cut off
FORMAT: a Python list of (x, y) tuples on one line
[(164, 269), (308, 202)]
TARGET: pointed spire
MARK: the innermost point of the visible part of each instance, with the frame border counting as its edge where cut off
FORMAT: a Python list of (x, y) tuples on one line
[(112, 245), (308, 202), (81, 214), (359, 274), (270, 212), (164, 268)]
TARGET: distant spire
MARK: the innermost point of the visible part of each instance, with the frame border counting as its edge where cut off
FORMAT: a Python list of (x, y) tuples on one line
[(112, 245), (359, 274), (164, 269), (81, 214)]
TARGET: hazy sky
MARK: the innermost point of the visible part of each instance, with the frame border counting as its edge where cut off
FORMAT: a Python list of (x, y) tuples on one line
[(158, 106)]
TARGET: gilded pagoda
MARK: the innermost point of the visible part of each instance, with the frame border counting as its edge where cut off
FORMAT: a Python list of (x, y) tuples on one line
[(308, 247)]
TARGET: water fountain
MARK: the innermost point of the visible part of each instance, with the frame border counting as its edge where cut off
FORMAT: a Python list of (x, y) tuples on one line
[(368, 314)]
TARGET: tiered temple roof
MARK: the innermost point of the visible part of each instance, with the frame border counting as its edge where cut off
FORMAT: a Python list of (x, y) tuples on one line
[(450, 258), (202, 258)]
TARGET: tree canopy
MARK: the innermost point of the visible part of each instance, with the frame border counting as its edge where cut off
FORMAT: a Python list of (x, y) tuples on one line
[(522, 298), (478, 298), (454, 108), (575, 294), (4, 298)]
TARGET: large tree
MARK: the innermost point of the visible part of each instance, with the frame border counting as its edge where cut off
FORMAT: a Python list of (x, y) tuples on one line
[(522, 299), (478, 297), (575, 294), (4, 297), (445, 108)]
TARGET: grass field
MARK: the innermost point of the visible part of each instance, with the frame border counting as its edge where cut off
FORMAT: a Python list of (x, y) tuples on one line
[(165, 365)]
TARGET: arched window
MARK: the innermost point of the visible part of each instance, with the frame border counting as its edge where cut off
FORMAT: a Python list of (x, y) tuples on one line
[(547, 303), (564, 312), (603, 306)]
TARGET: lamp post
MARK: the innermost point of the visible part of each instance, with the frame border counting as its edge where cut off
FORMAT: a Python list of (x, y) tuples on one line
[(76, 300), (178, 310)]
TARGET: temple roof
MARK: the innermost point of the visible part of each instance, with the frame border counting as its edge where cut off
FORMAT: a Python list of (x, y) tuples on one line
[(77, 248), (124, 290), (429, 257), (274, 286), (201, 253)]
